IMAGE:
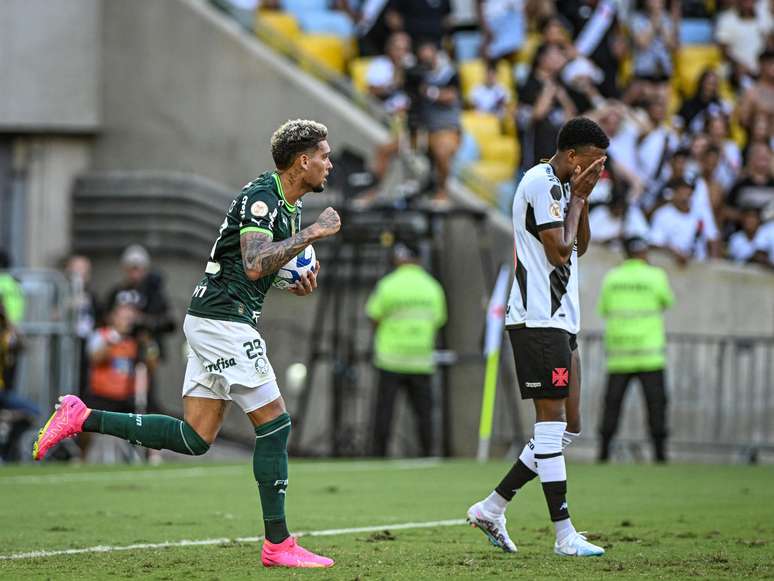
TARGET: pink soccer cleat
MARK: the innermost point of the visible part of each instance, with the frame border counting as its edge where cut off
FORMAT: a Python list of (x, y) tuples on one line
[(66, 421), (288, 553)]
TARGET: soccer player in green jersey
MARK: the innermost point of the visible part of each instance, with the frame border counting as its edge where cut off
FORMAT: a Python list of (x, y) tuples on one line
[(228, 357)]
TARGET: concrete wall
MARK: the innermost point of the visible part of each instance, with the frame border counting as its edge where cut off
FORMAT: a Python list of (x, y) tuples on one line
[(184, 91), (49, 165), (49, 65)]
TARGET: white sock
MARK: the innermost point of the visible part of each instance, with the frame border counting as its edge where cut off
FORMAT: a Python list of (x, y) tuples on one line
[(527, 455), (548, 441), (495, 504), (564, 529), (552, 472)]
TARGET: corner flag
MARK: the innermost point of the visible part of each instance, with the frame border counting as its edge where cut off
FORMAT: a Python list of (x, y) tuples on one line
[(495, 321)]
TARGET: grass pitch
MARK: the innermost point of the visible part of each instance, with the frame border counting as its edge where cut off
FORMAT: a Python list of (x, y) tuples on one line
[(656, 522)]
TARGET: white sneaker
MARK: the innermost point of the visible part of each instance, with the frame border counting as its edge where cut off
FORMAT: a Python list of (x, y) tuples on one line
[(576, 545), (492, 525)]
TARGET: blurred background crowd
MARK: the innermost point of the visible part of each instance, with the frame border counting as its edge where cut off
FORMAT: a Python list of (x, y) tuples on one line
[(684, 89)]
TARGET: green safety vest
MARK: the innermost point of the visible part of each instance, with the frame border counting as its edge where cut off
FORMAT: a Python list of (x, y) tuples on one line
[(633, 298), (409, 307), (13, 298)]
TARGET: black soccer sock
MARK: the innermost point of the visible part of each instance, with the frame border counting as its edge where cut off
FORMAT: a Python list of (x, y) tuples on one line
[(520, 473)]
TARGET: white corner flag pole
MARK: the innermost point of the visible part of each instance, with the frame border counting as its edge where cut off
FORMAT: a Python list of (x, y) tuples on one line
[(495, 321)]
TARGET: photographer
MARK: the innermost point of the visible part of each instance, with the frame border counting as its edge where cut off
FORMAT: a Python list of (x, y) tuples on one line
[(114, 351), (144, 290)]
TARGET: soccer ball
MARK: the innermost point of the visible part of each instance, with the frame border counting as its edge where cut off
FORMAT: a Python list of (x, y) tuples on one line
[(292, 272)]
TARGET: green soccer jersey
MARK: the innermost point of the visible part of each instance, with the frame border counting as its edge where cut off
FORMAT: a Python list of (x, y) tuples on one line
[(225, 293)]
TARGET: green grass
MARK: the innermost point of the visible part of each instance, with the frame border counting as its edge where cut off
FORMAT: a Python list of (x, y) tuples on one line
[(673, 522)]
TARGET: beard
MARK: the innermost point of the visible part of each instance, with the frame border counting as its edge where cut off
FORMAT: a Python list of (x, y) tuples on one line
[(320, 187)]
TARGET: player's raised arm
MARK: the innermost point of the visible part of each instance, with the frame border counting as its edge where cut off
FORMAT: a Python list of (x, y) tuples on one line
[(558, 241), (261, 256)]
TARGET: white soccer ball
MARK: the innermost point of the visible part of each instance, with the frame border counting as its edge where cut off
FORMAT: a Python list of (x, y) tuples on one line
[(292, 272)]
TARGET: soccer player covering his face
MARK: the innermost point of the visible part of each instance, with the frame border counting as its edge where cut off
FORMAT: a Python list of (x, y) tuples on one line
[(228, 358), (551, 230)]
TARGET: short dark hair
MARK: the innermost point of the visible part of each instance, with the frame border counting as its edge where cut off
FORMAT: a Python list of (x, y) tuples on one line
[(294, 138), (635, 245), (581, 131)]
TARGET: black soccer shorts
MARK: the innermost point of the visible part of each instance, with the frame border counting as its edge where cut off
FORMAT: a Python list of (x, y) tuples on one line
[(542, 357)]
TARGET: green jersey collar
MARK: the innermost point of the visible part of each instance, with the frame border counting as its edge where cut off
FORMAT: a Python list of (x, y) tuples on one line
[(290, 207)]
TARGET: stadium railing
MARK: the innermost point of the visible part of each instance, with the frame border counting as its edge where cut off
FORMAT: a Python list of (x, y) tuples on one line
[(48, 364), (719, 390)]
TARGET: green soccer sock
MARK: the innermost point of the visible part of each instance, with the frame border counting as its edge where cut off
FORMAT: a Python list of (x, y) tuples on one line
[(270, 467), (152, 431)]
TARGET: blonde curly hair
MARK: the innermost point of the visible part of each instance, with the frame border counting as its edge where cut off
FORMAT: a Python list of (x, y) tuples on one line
[(295, 137)]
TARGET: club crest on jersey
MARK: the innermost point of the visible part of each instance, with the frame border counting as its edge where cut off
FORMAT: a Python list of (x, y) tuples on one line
[(560, 377), (259, 209), (555, 210), (262, 365)]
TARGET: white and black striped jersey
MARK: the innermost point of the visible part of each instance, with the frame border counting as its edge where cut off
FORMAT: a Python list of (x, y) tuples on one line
[(542, 295)]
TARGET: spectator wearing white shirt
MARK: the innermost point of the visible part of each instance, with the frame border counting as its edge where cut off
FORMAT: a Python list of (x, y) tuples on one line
[(675, 228), (612, 223), (490, 96), (655, 39), (743, 244), (385, 74), (741, 32), (623, 131), (658, 143), (730, 157), (503, 26)]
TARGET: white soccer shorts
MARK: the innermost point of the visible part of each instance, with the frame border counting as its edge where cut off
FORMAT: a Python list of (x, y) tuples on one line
[(228, 361)]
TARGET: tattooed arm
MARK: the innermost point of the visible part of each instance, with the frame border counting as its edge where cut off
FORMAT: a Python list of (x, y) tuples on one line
[(261, 256)]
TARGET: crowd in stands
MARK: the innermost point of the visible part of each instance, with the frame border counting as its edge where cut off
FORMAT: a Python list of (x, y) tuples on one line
[(684, 88)]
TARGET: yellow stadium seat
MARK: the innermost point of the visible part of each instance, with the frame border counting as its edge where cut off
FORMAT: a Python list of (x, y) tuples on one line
[(494, 171), (503, 149), (480, 125), (322, 48), (358, 69), (690, 62), (505, 77), (472, 73), (280, 22)]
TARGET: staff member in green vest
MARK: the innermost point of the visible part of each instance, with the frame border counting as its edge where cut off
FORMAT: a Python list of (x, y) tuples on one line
[(11, 292), (633, 299), (408, 306)]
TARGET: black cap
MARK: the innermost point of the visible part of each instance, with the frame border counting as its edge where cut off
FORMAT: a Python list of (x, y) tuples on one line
[(403, 250), (635, 245)]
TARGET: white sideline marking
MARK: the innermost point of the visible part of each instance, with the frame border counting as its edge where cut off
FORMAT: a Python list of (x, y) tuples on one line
[(202, 542), (118, 475)]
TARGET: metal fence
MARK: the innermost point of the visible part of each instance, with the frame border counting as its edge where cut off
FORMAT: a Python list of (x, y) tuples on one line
[(48, 366), (719, 391)]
